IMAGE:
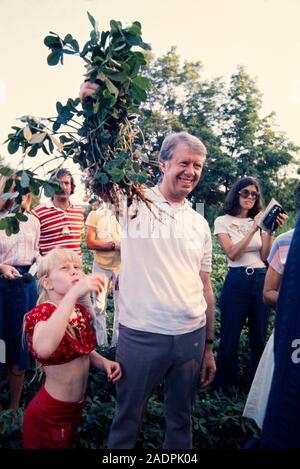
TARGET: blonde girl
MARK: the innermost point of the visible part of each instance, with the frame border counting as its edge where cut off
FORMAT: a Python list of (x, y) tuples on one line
[(62, 339)]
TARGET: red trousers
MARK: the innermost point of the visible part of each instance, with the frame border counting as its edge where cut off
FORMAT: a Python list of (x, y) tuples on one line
[(50, 423)]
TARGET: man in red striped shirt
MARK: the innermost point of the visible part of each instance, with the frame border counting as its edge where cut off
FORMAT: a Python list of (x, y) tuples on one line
[(61, 223)]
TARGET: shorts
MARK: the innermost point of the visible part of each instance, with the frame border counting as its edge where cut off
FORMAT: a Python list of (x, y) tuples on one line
[(49, 423)]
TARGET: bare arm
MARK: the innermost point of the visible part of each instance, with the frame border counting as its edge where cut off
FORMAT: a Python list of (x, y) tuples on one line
[(208, 369), (271, 287), (99, 244), (267, 241), (111, 368), (235, 250), (47, 335)]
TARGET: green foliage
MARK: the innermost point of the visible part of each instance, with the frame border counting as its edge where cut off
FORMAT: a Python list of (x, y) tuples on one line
[(217, 421), (100, 135)]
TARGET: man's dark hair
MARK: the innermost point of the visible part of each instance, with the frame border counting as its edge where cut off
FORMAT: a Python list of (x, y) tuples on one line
[(59, 173), (232, 200)]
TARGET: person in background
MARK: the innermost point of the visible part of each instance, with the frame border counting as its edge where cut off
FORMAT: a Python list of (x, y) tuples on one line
[(63, 342), (281, 421), (247, 249), (61, 222), (103, 236), (18, 295), (255, 407)]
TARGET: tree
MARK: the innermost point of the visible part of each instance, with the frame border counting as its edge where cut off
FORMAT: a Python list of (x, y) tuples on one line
[(251, 143)]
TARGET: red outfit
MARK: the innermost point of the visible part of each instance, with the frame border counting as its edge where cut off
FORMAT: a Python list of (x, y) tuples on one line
[(49, 422), (69, 348)]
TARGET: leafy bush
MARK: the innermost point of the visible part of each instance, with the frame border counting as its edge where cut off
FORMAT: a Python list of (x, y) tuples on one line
[(217, 420)]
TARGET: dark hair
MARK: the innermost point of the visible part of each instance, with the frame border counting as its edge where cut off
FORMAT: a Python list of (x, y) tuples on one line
[(297, 195), (57, 174), (232, 200)]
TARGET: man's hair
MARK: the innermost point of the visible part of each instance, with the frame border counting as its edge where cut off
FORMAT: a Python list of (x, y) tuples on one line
[(57, 174), (297, 195), (232, 200), (172, 140)]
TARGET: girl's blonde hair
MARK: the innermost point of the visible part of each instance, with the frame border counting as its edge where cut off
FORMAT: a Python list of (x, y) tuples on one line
[(56, 256)]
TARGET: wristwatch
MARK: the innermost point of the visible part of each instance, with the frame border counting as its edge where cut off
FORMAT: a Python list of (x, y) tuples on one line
[(113, 246)]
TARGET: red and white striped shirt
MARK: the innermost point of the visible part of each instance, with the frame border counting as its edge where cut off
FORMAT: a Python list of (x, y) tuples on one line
[(60, 227)]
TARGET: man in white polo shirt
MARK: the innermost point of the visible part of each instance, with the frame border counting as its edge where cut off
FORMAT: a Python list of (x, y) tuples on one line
[(166, 302)]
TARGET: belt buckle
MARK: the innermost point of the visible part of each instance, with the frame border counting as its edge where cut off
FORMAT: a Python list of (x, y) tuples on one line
[(249, 270)]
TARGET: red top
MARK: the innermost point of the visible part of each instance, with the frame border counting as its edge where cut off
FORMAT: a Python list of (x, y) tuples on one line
[(60, 227), (69, 347)]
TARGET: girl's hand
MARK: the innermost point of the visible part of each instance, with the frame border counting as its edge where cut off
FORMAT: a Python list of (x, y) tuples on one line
[(113, 370), (87, 284)]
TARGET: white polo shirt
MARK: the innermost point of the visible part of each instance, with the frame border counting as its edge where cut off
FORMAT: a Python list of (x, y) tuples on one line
[(163, 251)]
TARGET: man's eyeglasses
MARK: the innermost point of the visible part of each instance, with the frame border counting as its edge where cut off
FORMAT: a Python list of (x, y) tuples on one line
[(245, 194)]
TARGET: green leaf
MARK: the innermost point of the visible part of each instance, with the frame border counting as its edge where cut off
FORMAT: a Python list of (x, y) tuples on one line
[(116, 76), (103, 177), (6, 171), (33, 150), (116, 27), (136, 28), (21, 217), (92, 20), (68, 38), (48, 189), (111, 87), (3, 224), (52, 42), (142, 82), (13, 146), (138, 94), (25, 180), (54, 57), (59, 107), (56, 126)]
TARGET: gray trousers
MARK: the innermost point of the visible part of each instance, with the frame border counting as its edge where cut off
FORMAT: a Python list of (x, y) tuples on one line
[(147, 359)]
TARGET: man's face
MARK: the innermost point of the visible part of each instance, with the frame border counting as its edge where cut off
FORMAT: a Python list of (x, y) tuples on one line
[(182, 172), (65, 183)]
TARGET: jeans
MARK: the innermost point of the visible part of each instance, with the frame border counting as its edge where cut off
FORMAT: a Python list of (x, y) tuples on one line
[(241, 298), (16, 299)]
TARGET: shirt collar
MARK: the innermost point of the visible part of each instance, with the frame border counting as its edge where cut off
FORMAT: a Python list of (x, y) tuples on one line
[(158, 197), (50, 204)]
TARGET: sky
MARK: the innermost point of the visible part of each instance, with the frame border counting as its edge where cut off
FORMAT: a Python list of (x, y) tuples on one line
[(263, 35)]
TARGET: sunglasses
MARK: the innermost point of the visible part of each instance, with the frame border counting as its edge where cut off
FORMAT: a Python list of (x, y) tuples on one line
[(245, 194)]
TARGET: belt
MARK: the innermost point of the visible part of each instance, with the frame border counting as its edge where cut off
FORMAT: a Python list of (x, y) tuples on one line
[(249, 270)]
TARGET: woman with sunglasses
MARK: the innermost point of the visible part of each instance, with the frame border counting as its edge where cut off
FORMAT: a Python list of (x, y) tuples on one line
[(247, 249)]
